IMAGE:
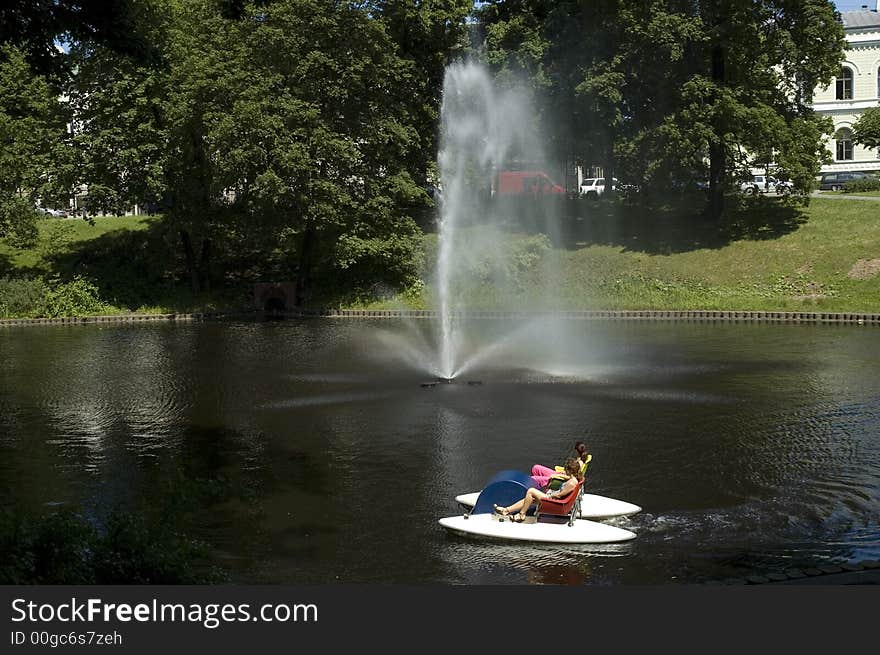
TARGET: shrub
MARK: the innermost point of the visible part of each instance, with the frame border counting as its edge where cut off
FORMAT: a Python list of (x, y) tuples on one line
[(79, 297), (22, 297), (34, 297), (863, 184), (18, 222), (65, 548)]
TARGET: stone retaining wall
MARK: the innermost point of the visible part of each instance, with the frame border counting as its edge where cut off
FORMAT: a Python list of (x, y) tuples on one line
[(662, 315), (626, 315), (120, 318)]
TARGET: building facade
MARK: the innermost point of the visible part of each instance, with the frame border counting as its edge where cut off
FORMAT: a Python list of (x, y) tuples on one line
[(856, 89)]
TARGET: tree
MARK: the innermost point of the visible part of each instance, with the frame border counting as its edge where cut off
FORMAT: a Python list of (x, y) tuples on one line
[(752, 82), (866, 130), (604, 68), (329, 167), (118, 139), (669, 86), (36, 26), (429, 34), (34, 153), (285, 126)]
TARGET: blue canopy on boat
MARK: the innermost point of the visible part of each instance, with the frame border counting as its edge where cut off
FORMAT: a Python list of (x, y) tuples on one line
[(505, 488)]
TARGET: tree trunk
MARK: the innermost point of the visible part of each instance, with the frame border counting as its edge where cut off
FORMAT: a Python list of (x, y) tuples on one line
[(192, 268), (305, 264), (717, 166), (204, 265), (197, 268), (717, 151), (608, 165)]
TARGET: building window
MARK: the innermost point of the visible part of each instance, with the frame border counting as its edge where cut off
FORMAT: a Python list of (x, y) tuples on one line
[(845, 84), (843, 136)]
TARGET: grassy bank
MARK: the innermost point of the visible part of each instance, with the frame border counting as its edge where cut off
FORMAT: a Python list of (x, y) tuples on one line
[(824, 257), (867, 194), (768, 255), (110, 266)]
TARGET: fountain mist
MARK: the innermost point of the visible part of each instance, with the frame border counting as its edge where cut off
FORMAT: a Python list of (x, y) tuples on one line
[(483, 129), (494, 247)]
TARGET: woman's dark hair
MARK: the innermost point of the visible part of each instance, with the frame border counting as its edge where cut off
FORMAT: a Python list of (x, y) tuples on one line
[(581, 448)]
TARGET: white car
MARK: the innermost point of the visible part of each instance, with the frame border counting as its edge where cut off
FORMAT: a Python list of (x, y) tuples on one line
[(595, 186), (765, 184), (58, 213)]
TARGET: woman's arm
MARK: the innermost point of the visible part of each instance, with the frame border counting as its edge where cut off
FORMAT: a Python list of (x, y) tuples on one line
[(566, 488)]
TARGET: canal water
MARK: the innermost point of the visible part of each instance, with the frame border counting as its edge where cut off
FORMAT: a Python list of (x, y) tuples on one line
[(308, 451)]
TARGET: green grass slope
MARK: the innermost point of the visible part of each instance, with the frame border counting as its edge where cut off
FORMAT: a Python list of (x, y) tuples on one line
[(767, 255)]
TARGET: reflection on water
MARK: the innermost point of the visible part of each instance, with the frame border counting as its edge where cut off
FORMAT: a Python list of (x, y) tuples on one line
[(304, 452)]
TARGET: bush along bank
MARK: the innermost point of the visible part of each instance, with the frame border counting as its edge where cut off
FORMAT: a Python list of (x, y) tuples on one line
[(31, 297), (66, 548)]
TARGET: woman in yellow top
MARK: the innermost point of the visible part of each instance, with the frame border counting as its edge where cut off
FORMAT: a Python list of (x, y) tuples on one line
[(572, 470)]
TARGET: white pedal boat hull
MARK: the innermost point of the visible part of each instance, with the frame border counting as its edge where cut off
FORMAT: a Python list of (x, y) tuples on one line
[(592, 506), (582, 532)]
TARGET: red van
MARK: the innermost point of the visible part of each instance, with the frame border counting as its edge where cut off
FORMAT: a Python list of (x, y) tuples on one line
[(517, 183)]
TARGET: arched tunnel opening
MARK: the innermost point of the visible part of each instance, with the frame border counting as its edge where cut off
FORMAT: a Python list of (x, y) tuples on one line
[(275, 304)]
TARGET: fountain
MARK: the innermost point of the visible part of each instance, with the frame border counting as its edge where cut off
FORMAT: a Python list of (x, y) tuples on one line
[(482, 128), (487, 132)]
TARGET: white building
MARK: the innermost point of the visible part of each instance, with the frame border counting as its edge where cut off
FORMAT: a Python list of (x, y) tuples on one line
[(856, 88)]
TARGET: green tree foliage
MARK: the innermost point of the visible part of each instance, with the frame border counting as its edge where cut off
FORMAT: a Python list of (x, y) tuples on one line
[(429, 34), (34, 148), (290, 126), (118, 137), (298, 127), (866, 130), (304, 131), (36, 26), (761, 61), (672, 89)]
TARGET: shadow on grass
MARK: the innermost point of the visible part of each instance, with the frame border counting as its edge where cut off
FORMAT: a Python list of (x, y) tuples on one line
[(132, 268), (676, 228), (7, 267), (143, 268)]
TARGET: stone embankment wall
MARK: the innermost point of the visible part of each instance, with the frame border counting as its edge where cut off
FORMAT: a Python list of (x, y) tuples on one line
[(625, 315), (123, 318), (662, 315)]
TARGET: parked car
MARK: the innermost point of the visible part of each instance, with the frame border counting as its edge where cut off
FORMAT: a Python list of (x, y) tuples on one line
[(58, 213), (688, 185), (836, 181), (594, 187), (627, 190), (765, 184)]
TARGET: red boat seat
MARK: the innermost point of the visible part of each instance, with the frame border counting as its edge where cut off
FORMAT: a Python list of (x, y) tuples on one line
[(568, 505)]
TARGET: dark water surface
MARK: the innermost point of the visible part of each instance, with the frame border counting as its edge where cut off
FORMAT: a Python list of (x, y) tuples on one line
[(751, 448)]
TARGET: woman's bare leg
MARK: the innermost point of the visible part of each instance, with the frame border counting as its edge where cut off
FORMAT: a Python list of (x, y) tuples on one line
[(522, 506)]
